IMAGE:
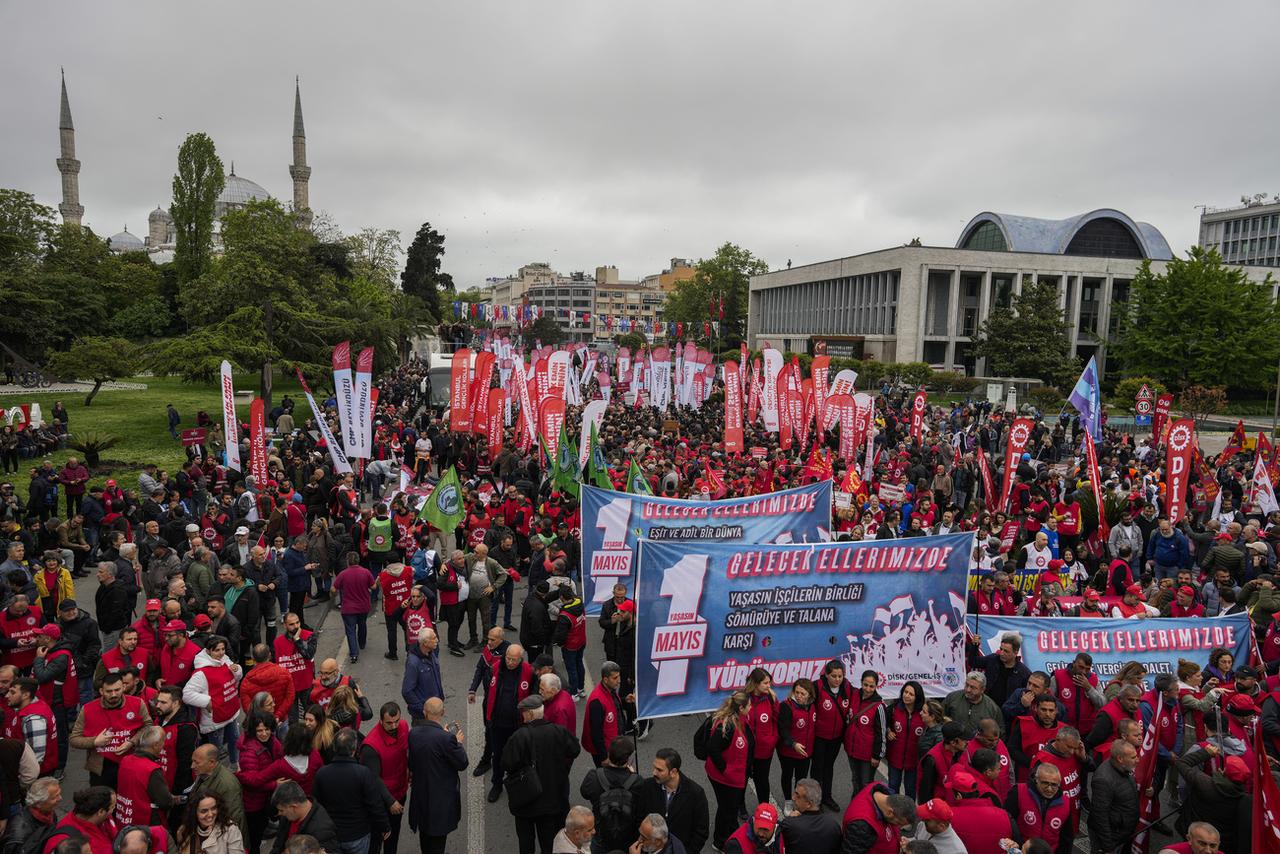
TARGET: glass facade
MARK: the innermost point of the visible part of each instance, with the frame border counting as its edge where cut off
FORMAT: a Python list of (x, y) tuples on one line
[(1104, 238), (986, 237)]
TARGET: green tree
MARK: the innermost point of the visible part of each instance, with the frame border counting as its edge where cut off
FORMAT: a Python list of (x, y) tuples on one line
[(1029, 339), (1200, 322), (375, 253), (97, 360), (422, 277), (634, 340), (726, 276), (195, 192), (26, 227), (546, 330)]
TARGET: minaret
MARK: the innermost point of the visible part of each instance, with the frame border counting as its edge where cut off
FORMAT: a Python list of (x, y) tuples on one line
[(300, 171), (71, 210)]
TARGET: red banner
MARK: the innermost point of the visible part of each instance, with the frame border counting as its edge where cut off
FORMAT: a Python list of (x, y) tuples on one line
[(1234, 445), (479, 394), (988, 483), (194, 436), (460, 392), (1163, 402), (494, 421), (784, 417), (1182, 446), (918, 408), (258, 442), (819, 369), (1266, 800), (1019, 435), (1095, 481), (844, 411), (753, 399), (550, 420), (732, 409), (807, 410)]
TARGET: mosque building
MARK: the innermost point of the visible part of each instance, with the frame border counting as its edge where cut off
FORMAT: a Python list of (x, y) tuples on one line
[(160, 238)]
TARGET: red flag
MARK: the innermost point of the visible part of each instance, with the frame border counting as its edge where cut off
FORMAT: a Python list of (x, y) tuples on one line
[(732, 409), (819, 465), (988, 483), (1163, 402), (460, 391), (819, 370), (918, 408), (1095, 481), (258, 442), (1019, 435), (1266, 800), (493, 421), (1264, 448), (1178, 469), (1234, 444), (1144, 775)]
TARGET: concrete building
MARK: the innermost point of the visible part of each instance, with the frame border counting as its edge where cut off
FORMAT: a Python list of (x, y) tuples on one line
[(1247, 234), (637, 301), (925, 303)]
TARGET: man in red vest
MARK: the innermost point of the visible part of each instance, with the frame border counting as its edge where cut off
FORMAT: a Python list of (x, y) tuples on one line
[(177, 656), (1040, 811), (55, 671), (603, 720), (757, 836), (123, 656), (1105, 728), (1066, 753), (150, 628), (935, 764), (141, 784), (108, 728), (1202, 838), (1029, 733), (508, 685), (415, 615), (181, 735), (396, 582), (491, 655), (979, 823), (19, 629), (1077, 690), (988, 737), (327, 680), (386, 752), (295, 651), (33, 722), (874, 820)]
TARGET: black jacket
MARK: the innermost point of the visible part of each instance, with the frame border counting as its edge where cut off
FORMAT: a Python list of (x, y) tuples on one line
[(246, 610), (593, 787), (815, 832), (687, 815), (535, 622), (1215, 799), (22, 827), (551, 750), (619, 646), (435, 761), (114, 603), (317, 824), (1114, 815), (352, 796), (86, 641)]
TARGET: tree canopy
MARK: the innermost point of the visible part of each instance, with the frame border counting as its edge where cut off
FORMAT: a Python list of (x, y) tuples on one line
[(725, 275), (1200, 322), (422, 277), (1029, 339), (196, 187), (98, 360)]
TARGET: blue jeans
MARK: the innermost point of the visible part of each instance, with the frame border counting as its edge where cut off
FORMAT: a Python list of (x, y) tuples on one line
[(573, 668), (356, 626), (229, 735), (356, 846), (1163, 572), (502, 594), (899, 777)]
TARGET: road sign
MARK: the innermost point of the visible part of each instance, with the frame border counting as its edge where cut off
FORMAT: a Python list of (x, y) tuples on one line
[(1141, 420), (1144, 393), (1142, 407)]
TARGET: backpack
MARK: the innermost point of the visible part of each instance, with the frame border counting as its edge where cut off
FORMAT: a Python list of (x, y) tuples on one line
[(615, 810), (701, 736), (36, 842)]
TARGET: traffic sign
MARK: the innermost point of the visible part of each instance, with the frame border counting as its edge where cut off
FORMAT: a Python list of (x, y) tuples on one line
[(1143, 407), (1144, 393)]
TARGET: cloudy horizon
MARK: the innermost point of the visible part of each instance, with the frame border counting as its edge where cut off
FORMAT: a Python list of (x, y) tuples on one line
[(585, 134)]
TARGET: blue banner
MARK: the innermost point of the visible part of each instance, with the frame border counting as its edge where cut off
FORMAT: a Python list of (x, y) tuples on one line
[(709, 613), (1052, 643), (614, 522)]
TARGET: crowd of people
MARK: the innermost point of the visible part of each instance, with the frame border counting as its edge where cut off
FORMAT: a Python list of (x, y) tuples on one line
[(192, 691)]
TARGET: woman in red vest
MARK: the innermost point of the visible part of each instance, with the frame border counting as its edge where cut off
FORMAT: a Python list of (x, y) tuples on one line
[(797, 718), (1196, 698), (762, 717), (864, 737), (730, 746), (835, 703), (905, 726), (214, 689), (259, 747)]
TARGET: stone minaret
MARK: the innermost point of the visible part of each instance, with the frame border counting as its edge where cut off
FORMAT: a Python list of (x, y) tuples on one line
[(300, 171), (71, 210)]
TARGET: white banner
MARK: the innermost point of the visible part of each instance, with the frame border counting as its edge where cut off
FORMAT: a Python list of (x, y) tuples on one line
[(592, 413), (1262, 493), (364, 404), (344, 393), (769, 402), (230, 425), (845, 382), (340, 463)]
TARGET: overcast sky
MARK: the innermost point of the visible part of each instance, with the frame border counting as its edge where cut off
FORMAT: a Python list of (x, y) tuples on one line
[(586, 133)]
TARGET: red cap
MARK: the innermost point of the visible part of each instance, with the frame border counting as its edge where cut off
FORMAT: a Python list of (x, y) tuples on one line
[(153, 604), (1136, 590), (1241, 704), (51, 631), (1186, 590), (963, 781), (203, 621), (175, 626), (766, 817), (1094, 595), (1236, 770), (111, 483), (1223, 538), (1055, 565), (935, 810)]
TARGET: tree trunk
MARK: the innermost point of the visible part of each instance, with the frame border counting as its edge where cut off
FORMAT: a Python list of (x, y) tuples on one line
[(97, 384)]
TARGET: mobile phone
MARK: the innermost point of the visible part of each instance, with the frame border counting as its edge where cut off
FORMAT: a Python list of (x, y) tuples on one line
[(454, 727)]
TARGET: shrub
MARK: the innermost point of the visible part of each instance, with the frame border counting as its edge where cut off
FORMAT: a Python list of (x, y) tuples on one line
[(1127, 389), (1045, 397), (91, 445), (963, 384), (870, 373), (914, 373), (942, 381)]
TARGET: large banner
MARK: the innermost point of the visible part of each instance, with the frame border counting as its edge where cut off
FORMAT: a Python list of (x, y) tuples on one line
[(364, 403), (1178, 474), (614, 522), (1051, 643), (344, 393), (230, 423), (709, 613)]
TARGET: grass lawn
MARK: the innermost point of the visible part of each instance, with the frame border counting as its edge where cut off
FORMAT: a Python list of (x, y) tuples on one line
[(139, 418)]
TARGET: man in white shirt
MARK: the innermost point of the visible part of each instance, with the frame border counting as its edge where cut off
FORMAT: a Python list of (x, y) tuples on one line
[(1038, 553), (422, 458)]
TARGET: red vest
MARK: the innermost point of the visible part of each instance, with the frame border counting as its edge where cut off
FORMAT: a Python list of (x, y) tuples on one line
[(833, 709), (1072, 778), (321, 695), (942, 762), (449, 597), (863, 808), (393, 753), (113, 661), (1034, 738), (133, 804), (1037, 823), (65, 693), (762, 717), (417, 619), (1170, 718), (980, 824), (38, 708), (149, 639), (746, 840), (493, 660), (395, 589), (803, 720), (175, 667), (1115, 712), (1081, 712), (1008, 601), (223, 693), (860, 735), (523, 687), (100, 836), (301, 669), (1004, 782), (611, 715), (736, 761), (17, 628), (903, 751), (169, 755), (121, 723)]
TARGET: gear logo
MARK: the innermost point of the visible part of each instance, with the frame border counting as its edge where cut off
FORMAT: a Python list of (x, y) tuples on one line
[(1179, 438)]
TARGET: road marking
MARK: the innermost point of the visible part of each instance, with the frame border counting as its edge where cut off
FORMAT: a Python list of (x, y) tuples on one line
[(476, 798)]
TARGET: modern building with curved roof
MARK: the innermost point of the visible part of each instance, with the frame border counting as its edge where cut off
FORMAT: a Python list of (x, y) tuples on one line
[(926, 303)]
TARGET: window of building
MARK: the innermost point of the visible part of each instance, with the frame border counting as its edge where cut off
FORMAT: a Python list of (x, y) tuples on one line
[(1001, 290), (1119, 304), (1090, 303), (987, 237), (1104, 238)]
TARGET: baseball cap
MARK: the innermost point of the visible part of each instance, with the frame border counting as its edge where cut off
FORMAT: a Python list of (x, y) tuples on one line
[(153, 604), (1186, 590), (1136, 590), (111, 483), (1235, 769), (1056, 564), (1246, 671), (1094, 595), (69, 605), (242, 531), (766, 817), (202, 621), (963, 781), (1224, 537), (175, 626), (1241, 704), (935, 810), (51, 631)]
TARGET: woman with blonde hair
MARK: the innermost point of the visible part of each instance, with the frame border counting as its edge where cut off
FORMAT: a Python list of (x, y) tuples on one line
[(322, 730), (344, 711), (730, 748)]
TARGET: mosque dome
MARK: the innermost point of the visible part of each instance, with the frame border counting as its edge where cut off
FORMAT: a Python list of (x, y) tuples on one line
[(159, 215), (237, 193), (125, 242)]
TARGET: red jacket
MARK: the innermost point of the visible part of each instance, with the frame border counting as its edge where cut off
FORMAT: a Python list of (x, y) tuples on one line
[(273, 679)]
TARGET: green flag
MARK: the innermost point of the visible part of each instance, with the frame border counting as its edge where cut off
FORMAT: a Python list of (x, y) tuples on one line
[(597, 472), (443, 507), (637, 483), (565, 473)]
